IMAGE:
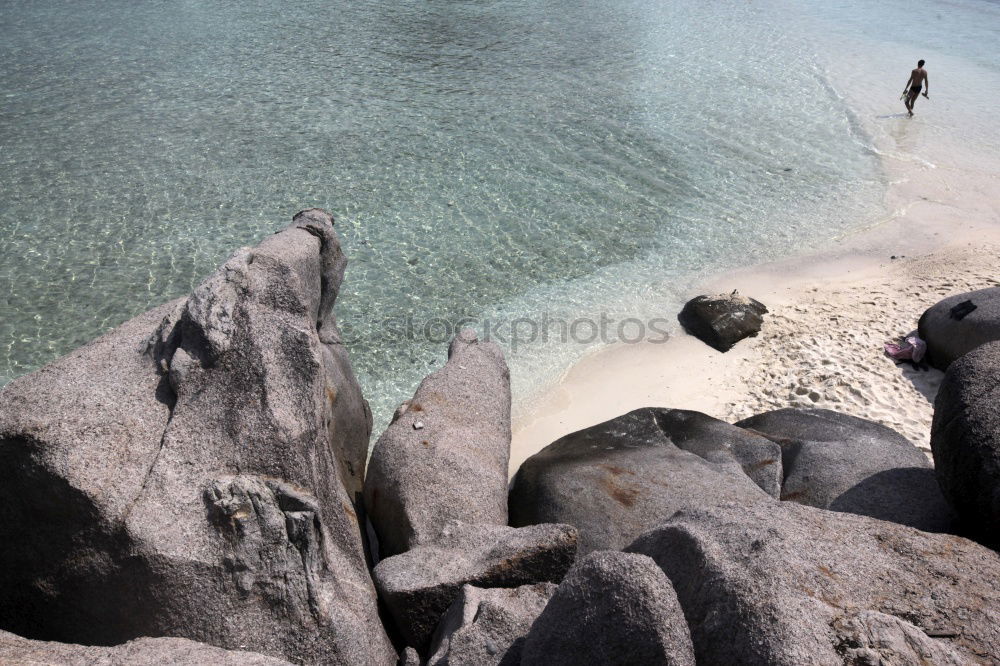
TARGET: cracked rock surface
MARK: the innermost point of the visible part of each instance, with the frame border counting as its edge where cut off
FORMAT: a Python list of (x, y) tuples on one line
[(140, 652), (196, 471), (487, 627), (419, 585), (786, 584)]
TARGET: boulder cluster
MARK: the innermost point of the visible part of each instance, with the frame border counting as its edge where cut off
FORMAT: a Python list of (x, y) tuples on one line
[(194, 487)]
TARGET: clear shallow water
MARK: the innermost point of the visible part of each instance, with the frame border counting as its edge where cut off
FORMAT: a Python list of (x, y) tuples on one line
[(498, 159)]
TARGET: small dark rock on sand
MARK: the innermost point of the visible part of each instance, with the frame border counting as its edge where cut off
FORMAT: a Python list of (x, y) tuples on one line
[(722, 321)]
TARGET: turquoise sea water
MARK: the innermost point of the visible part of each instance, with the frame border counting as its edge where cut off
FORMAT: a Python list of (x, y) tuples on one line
[(486, 159)]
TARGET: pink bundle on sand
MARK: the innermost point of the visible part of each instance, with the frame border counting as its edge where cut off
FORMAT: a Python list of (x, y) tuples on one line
[(911, 348)]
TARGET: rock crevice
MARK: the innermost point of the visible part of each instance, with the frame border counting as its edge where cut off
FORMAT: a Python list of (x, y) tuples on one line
[(216, 445)]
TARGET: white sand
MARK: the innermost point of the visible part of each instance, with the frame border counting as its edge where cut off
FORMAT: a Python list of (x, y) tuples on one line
[(825, 348), (821, 346)]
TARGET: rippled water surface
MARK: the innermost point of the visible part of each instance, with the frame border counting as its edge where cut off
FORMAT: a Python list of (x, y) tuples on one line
[(485, 158)]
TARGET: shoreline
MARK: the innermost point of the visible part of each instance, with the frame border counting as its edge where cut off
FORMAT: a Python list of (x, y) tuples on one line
[(821, 343)]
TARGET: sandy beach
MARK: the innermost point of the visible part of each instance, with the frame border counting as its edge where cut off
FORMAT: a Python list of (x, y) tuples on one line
[(821, 344)]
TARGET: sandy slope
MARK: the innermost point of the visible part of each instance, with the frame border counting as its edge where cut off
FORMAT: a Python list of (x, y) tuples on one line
[(824, 349), (821, 345)]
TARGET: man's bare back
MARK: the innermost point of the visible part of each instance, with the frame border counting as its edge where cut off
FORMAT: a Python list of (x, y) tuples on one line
[(918, 79)]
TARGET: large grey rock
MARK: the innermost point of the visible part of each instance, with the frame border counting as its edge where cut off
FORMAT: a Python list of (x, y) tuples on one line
[(140, 652), (192, 473), (612, 608), (445, 456), (419, 585), (487, 627), (949, 337), (844, 463), (618, 479), (732, 448), (965, 439), (722, 321), (785, 584)]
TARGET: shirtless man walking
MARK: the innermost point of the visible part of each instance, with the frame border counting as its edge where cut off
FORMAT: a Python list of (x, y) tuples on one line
[(917, 78)]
